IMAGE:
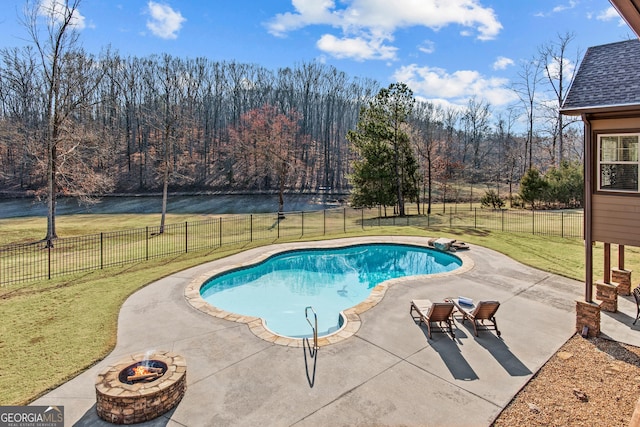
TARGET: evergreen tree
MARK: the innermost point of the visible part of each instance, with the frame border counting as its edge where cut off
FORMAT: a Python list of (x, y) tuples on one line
[(386, 170), (532, 187), (566, 184)]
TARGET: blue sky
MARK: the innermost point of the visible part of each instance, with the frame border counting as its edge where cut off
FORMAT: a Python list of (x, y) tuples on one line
[(446, 50)]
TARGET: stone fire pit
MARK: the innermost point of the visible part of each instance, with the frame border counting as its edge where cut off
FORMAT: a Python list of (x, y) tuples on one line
[(126, 395)]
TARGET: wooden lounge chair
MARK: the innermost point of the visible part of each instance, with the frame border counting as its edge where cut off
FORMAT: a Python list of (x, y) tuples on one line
[(483, 310), (427, 312)]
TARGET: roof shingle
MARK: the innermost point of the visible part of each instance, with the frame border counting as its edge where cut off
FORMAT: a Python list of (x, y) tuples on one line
[(608, 76)]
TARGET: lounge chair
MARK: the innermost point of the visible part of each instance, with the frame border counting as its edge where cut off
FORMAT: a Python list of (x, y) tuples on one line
[(636, 296), (483, 310), (428, 312)]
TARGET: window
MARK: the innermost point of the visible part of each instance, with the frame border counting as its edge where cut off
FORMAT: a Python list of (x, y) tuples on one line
[(618, 162)]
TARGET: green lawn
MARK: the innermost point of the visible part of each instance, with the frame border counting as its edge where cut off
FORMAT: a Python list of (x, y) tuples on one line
[(53, 330)]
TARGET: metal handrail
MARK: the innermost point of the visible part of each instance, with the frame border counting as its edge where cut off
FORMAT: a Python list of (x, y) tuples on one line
[(314, 326)]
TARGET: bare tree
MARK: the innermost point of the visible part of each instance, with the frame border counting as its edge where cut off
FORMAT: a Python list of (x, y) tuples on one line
[(475, 121), (265, 143), (526, 89), (427, 131), (70, 77), (19, 92), (559, 71)]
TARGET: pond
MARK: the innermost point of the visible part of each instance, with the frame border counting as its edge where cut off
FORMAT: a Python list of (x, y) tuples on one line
[(208, 204)]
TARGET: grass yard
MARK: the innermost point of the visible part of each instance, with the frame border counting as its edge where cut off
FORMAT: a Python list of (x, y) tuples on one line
[(60, 327)]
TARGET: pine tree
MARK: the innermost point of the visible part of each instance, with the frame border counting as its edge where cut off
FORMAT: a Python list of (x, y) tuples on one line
[(386, 170)]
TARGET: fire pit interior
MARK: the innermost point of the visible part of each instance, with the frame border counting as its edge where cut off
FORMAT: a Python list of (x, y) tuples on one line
[(147, 370), (141, 387)]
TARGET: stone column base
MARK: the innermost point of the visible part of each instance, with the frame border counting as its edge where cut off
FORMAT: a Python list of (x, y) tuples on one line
[(623, 279), (588, 314), (608, 294), (635, 418)]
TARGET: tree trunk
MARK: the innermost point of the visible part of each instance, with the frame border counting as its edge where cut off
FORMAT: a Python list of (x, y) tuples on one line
[(165, 188)]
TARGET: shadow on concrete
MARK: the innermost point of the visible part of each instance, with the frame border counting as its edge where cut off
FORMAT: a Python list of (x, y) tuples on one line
[(500, 351), (623, 319), (451, 355), (313, 354), (91, 419)]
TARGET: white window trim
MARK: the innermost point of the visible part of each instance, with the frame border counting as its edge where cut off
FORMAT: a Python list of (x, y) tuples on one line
[(599, 162)]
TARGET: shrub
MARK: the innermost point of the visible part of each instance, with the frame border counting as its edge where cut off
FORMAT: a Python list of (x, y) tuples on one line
[(492, 199)]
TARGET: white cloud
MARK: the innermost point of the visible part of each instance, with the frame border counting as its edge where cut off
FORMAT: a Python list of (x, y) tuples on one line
[(568, 68), (563, 7), (427, 46), (369, 22), (358, 48), (165, 22), (502, 63), (456, 88), (57, 9), (608, 14), (557, 9)]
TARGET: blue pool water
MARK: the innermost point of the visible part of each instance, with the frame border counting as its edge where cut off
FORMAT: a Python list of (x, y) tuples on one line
[(330, 280)]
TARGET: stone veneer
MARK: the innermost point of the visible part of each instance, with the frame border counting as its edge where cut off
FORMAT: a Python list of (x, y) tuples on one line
[(623, 279), (588, 314), (120, 403), (607, 293), (351, 316)]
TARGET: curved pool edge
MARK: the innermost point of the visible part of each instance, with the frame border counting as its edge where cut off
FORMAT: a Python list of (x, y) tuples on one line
[(352, 321)]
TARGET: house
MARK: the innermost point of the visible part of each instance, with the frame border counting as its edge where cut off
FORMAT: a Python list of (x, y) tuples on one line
[(605, 93)]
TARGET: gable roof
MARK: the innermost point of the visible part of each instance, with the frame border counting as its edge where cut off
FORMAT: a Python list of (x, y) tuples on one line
[(608, 80)]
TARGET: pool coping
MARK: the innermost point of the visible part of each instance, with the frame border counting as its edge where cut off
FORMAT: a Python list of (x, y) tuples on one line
[(351, 315)]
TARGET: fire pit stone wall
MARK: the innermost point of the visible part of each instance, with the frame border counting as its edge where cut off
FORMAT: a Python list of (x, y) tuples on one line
[(121, 403)]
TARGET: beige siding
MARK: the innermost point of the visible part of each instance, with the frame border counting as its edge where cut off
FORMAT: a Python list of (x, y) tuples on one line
[(616, 219), (616, 124)]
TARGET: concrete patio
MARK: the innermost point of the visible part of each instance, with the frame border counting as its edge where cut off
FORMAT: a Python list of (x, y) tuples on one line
[(388, 373)]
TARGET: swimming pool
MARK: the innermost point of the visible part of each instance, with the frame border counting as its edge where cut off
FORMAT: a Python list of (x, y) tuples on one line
[(330, 280)]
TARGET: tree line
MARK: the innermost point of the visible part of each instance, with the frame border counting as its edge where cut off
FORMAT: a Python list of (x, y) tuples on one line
[(81, 124)]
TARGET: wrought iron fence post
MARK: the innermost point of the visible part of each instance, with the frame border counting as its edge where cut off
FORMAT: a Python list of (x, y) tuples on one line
[(302, 221), (278, 221), (251, 227), (533, 221), (475, 217), (101, 250), (362, 218), (146, 239), (186, 238), (344, 219), (562, 224), (502, 220), (324, 222), (49, 261), (220, 231)]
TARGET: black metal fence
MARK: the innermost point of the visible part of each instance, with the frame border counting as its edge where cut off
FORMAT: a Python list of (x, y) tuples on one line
[(35, 261)]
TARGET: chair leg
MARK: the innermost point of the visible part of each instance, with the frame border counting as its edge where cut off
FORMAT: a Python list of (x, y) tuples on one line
[(428, 323), (453, 334)]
